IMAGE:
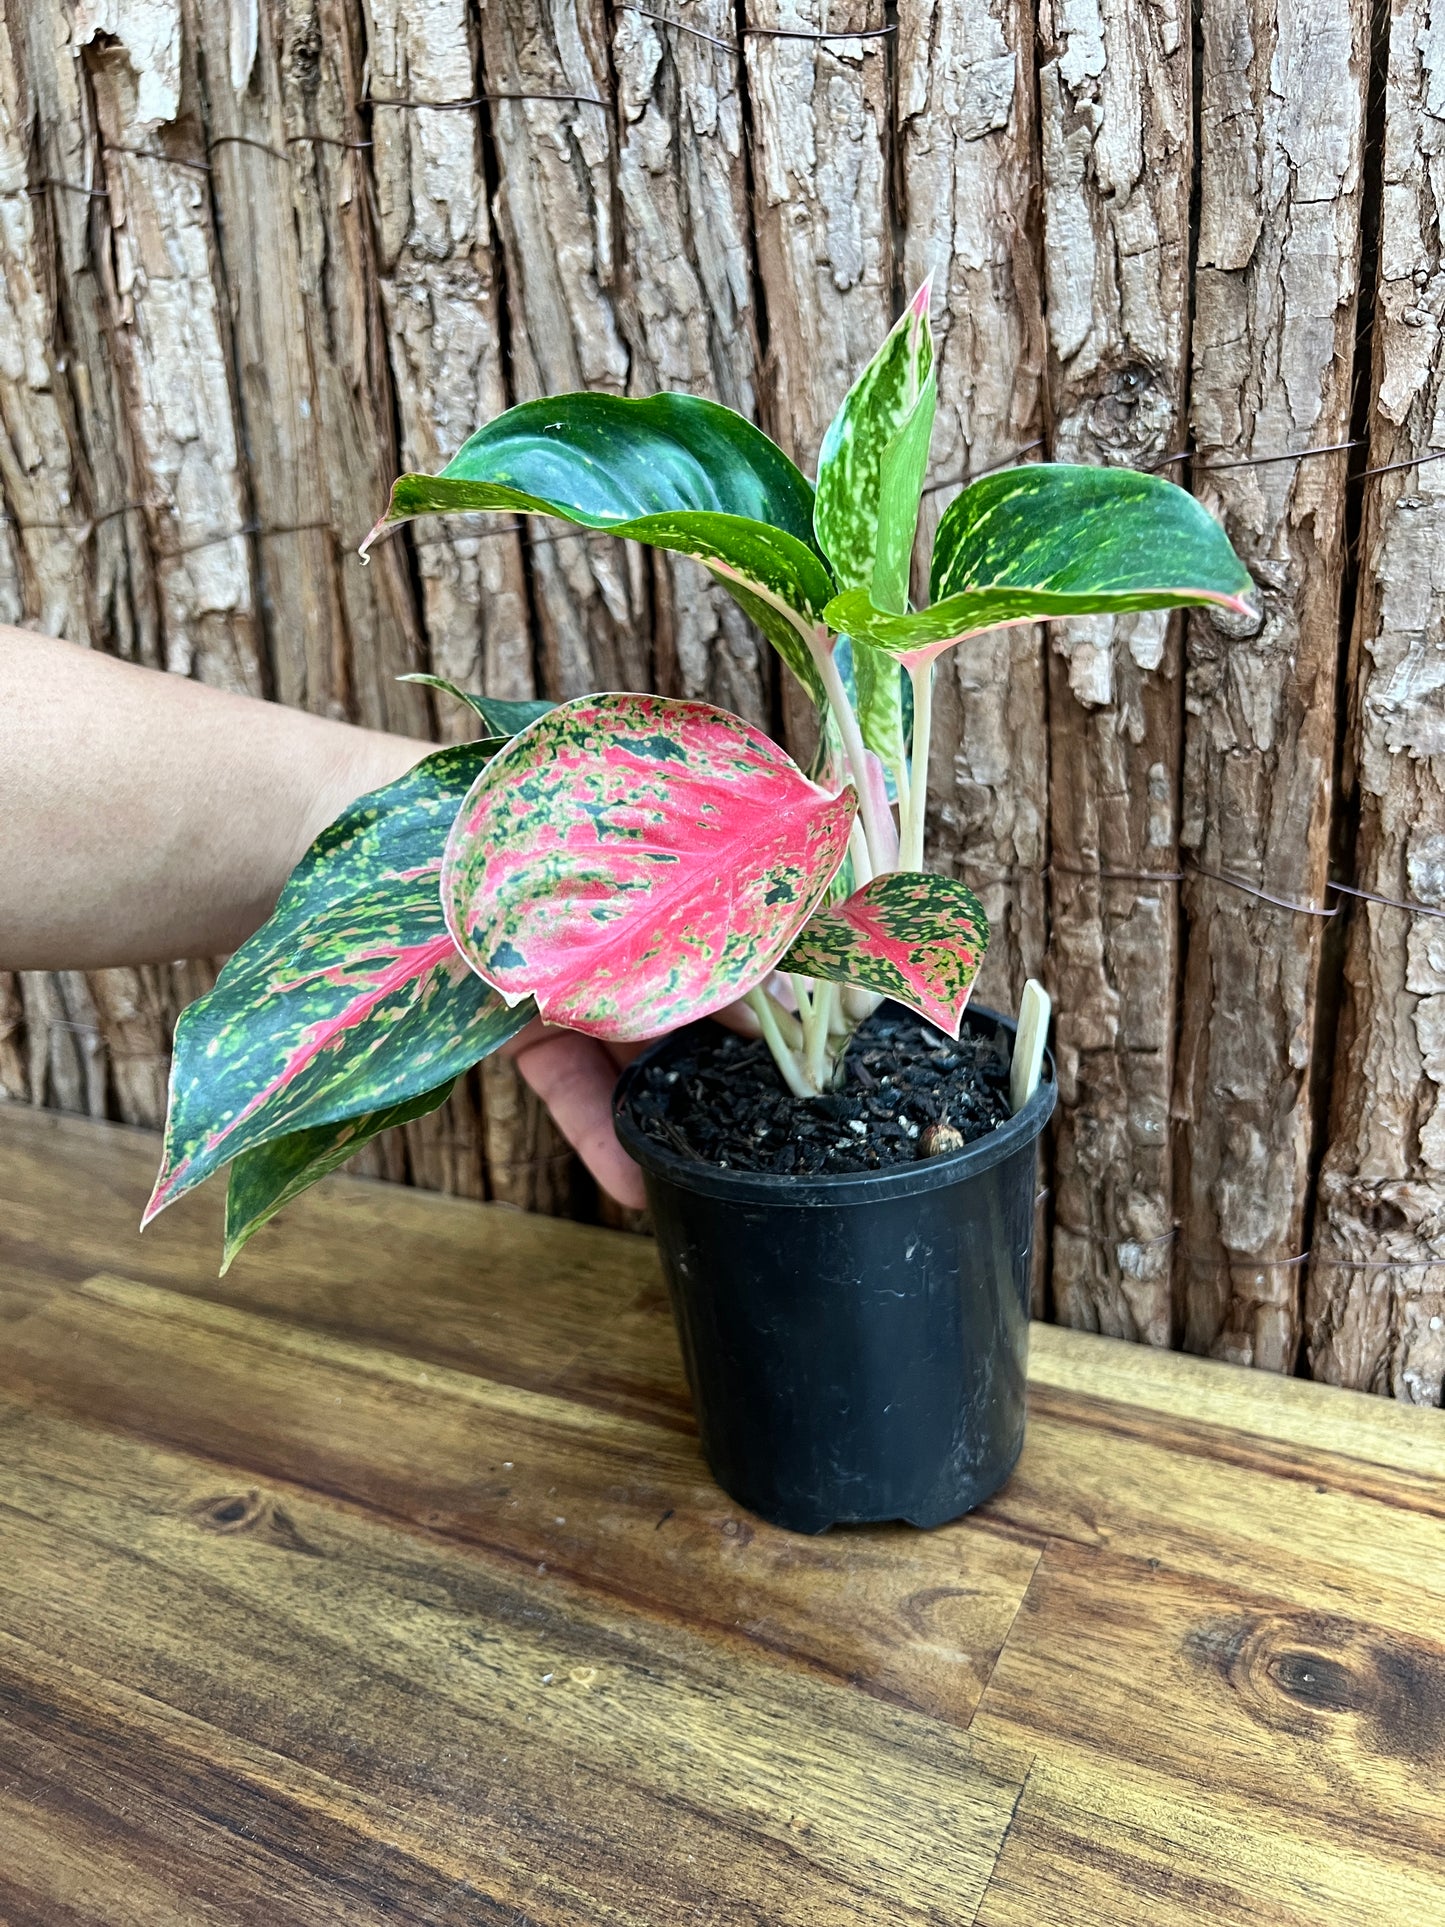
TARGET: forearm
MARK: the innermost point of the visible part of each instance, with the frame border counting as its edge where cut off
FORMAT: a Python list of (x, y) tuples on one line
[(145, 817)]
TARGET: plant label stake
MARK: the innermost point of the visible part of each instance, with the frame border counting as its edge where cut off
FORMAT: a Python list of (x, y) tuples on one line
[(1028, 1058)]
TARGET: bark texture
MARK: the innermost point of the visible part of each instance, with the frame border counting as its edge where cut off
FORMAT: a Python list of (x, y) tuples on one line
[(1376, 1304), (966, 160), (1115, 132), (828, 286), (1283, 92), (688, 305)]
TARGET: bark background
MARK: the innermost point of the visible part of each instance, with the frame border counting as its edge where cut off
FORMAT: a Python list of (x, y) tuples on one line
[(256, 256)]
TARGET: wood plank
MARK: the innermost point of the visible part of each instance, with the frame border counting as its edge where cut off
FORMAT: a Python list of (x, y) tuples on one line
[(503, 1292), (1292, 1410), (569, 1760), (610, 1504), (1281, 134), (1097, 1846), (442, 292), (1307, 1527), (440, 286), (82, 568), (1376, 1289), (966, 145), (369, 1581), (1205, 1750), (1116, 135)]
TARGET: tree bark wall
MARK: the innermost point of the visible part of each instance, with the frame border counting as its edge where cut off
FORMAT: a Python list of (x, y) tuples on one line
[(1117, 149), (1376, 1304), (1282, 128), (256, 257)]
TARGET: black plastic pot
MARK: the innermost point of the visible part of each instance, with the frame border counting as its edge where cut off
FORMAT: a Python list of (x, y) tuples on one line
[(856, 1346)]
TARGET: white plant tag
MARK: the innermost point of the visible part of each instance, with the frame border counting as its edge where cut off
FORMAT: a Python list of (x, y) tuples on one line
[(1028, 1059)]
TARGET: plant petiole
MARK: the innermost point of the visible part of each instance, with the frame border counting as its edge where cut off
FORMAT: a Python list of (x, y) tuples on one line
[(767, 1010), (879, 840), (921, 676)]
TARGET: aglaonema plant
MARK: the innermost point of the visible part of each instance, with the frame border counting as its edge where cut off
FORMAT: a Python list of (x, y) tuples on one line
[(624, 863)]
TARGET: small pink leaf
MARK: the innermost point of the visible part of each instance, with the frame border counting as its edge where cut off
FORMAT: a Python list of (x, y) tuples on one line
[(918, 939), (634, 863)]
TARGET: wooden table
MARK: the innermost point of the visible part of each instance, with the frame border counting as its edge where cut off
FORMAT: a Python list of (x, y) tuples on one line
[(382, 1581)]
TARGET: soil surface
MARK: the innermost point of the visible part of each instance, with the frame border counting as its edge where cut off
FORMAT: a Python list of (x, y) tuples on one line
[(908, 1092)]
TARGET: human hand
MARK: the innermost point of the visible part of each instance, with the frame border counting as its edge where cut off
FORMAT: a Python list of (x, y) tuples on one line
[(574, 1077)]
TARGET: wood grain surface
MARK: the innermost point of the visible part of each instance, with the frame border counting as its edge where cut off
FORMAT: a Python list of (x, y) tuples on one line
[(382, 1580)]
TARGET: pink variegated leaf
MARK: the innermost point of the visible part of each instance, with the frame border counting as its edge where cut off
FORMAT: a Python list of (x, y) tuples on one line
[(634, 863), (351, 1000), (916, 938)]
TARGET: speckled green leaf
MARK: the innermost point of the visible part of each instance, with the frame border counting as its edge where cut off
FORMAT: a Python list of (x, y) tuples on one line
[(673, 471), (634, 863), (878, 678), (918, 939), (503, 719), (1051, 540), (892, 396), (900, 491), (350, 999), (270, 1175)]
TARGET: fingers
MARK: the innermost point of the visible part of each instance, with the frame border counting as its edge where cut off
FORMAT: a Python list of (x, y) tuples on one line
[(574, 1075)]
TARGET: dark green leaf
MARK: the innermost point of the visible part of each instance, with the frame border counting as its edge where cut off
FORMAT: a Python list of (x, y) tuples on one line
[(673, 471), (1028, 544), (503, 719), (270, 1175)]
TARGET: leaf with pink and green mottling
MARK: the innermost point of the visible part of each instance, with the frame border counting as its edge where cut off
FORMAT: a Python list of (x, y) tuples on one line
[(635, 863), (352, 998), (916, 938)]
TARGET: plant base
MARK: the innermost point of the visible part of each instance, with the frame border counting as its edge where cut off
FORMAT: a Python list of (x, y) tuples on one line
[(856, 1346)]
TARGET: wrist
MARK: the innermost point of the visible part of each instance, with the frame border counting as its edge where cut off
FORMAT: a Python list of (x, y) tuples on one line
[(355, 761)]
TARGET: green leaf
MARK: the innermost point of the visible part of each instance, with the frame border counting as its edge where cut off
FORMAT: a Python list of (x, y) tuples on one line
[(270, 1175), (900, 492), (351, 998), (673, 471), (916, 938), (634, 862), (890, 398), (1052, 539), (503, 719), (878, 678)]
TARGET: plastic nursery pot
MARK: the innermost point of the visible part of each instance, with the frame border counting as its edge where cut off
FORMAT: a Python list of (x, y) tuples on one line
[(856, 1345)]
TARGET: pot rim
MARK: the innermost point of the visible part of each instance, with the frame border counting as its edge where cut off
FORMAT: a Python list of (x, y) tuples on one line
[(843, 1187)]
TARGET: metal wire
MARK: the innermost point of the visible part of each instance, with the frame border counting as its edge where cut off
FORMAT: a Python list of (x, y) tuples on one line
[(757, 33)]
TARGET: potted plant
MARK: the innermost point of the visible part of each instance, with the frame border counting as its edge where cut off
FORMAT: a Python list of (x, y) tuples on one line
[(845, 1205)]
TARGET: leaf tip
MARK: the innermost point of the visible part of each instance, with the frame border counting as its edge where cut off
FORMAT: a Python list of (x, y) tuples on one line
[(377, 530), (922, 301)]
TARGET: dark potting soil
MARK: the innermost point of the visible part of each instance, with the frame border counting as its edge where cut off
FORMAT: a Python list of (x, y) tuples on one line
[(908, 1092)]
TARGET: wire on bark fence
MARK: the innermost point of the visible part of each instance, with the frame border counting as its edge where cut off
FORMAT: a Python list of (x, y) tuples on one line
[(1243, 1262)]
